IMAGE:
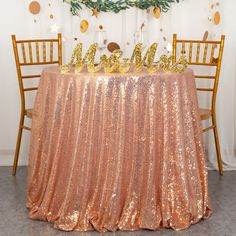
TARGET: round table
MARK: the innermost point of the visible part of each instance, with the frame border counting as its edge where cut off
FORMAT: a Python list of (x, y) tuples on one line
[(117, 152)]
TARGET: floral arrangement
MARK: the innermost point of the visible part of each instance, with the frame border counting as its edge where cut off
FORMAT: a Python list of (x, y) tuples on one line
[(118, 5)]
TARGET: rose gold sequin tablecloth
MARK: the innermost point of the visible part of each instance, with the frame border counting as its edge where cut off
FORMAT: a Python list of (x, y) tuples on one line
[(117, 152)]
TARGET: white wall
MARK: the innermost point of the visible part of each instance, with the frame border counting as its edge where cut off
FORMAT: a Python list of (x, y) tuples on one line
[(189, 19)]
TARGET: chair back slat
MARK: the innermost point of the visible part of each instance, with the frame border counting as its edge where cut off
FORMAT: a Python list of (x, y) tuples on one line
[(183, 48), (30, 89), (51, 51), (39, 63), (23, 52), (44, 52), (37, 52), (205, 89), (205, 53), (213, 47), (30, 52), (30, 76), (37, 40), (190, 52), (204, 77), (198, 52)]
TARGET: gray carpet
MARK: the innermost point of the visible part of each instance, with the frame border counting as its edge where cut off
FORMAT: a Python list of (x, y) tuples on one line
[(14, 220)]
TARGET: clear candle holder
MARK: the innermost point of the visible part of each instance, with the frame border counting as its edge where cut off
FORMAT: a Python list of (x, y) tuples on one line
[(141, 37), (100, 37)]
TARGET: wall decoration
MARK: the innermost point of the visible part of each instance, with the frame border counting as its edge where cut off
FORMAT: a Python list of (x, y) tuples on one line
[(217, 18), (205, 36), (157, 12), (84, 25), (34, 7), (54, 28), (214, 19), (95, 13), (119, 5), (112, 46)]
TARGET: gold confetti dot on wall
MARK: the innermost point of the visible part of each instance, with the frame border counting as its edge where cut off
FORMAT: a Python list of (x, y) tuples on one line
[(212, 6), (51, 16), (157, 12), (205, 36), (84, 26), (112, 46), (34, 7), (217, 18)]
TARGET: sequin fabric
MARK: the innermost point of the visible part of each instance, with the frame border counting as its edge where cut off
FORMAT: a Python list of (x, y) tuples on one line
[(117, 152)]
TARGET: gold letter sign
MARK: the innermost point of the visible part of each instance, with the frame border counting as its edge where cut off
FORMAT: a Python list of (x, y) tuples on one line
[(115, 63)]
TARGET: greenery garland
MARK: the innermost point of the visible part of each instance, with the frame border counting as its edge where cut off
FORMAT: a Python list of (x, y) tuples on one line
[(118, 5)]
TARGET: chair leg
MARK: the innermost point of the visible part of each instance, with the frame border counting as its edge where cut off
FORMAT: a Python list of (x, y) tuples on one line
[(217, 145), (17, 150)]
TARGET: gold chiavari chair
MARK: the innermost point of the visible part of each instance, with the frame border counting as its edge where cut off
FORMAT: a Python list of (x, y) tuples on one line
[(209, 54), (28, 53)]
